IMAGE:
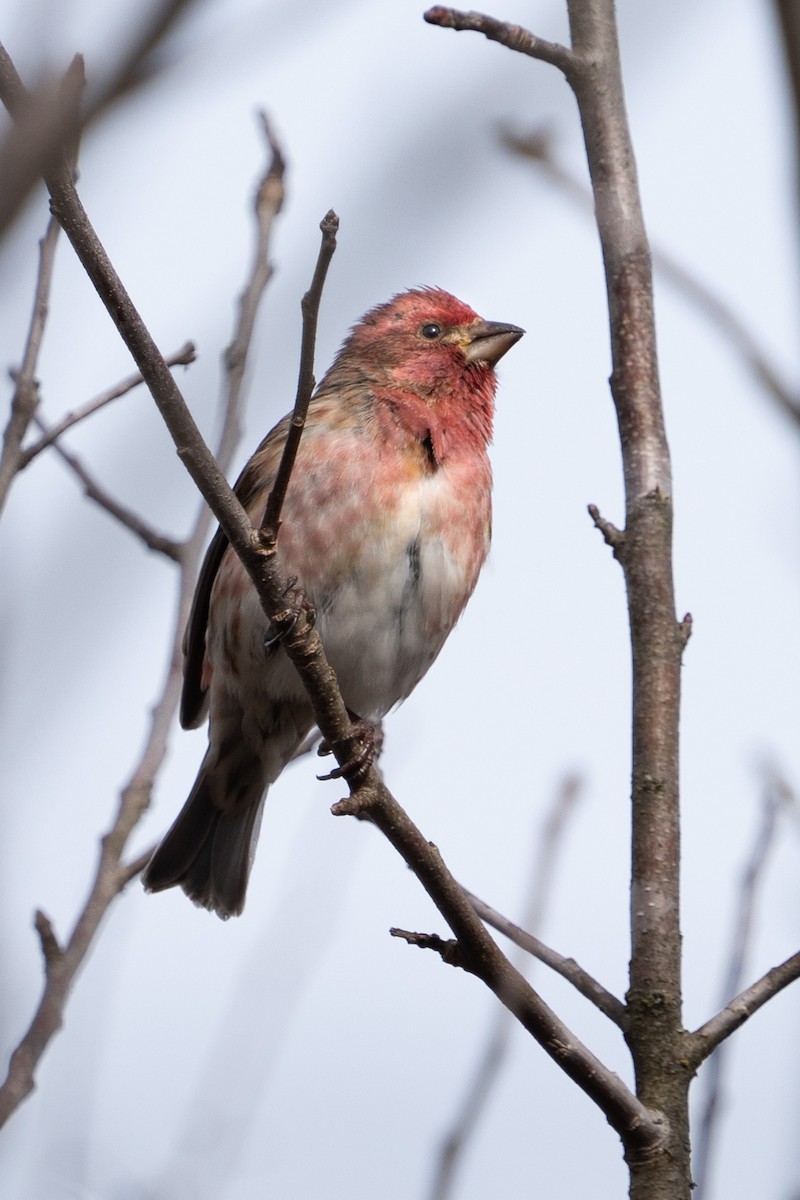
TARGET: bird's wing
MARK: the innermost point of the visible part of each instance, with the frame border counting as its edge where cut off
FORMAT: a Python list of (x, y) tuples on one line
[(255, 480)]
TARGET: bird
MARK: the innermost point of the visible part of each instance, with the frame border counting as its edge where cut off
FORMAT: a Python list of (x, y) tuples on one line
[(385, 526)]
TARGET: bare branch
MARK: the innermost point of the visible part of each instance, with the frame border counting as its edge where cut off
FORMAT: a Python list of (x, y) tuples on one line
[(270, 194), (654, 1028), (641, 1133), (112, 874), (612, 536), (126, 516), (135, 867), (62, 965), (514, 37), (487, 1069), (567, 968), (26, 392), (448, 949), (752, 876), (305, 383), (777, 798), (49, 121), (181, 358), (705, 1040), (51, 950)]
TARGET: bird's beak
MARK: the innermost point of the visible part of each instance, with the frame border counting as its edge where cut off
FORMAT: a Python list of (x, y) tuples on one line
[(489, 341)]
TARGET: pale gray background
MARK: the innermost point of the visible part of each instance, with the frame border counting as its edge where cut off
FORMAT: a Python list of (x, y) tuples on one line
[(300, 1052)]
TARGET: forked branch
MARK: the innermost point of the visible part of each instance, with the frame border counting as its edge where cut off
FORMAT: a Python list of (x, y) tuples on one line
[(640, 1131), (61, 963), (592, 67)]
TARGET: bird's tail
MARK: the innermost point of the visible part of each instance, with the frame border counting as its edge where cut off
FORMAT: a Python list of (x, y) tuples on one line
[(208, 850)]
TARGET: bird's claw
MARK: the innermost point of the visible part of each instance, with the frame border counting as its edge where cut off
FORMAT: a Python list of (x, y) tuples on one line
[(284, 631), (370, 742), (286, 621)]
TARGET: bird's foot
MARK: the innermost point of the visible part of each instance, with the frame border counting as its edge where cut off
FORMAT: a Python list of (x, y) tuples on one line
[(369, 738), (283, 623)]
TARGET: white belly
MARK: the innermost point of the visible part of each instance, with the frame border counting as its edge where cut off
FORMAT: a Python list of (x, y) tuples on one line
[(383, 611)]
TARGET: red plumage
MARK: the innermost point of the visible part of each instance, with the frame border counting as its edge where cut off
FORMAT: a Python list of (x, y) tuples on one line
[(386, 525)]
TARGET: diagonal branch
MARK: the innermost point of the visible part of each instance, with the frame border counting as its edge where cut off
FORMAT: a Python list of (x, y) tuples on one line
[(641, 1132), (26, 392), (475, 951), (305, 383), (49, 121), (63, 964), (567, 968), (181, 358), (752, 877), (777, 798), (487, 1069), (112, 875), (705, 1040), (158, 542)]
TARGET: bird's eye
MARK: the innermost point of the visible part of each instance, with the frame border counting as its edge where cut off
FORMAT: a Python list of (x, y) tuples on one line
[(431, 331)]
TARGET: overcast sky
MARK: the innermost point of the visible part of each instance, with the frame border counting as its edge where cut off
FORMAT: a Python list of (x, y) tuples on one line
[(300, 1051)]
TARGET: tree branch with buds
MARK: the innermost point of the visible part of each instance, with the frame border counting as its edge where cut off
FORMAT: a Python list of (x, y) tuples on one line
[(641, 1132), (63, 961)]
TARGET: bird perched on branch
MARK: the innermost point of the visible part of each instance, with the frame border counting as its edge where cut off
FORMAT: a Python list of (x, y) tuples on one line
[(385, 525)]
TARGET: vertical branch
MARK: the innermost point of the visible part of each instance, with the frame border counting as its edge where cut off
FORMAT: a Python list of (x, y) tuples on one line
[(62, 963), (329, 226), (26, 392), (49, 120), (654, 1029), (645, 552), (269, 198)]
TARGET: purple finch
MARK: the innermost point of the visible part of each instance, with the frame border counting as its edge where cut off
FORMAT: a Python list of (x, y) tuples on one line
[(385, 526)]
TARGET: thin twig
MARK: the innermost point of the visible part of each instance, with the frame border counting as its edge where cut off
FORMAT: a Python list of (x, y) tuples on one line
[(181, 358), (112, 873), (641, 1132), (109, 880), (135, 867), (269, 198), (49, 121), (705, 1040), (270, 195), (612, 536), (778, 797), (752, 877), (549, 842), (513, 37), (26, 391), (158, 542), (567, 968), (329, 226)]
